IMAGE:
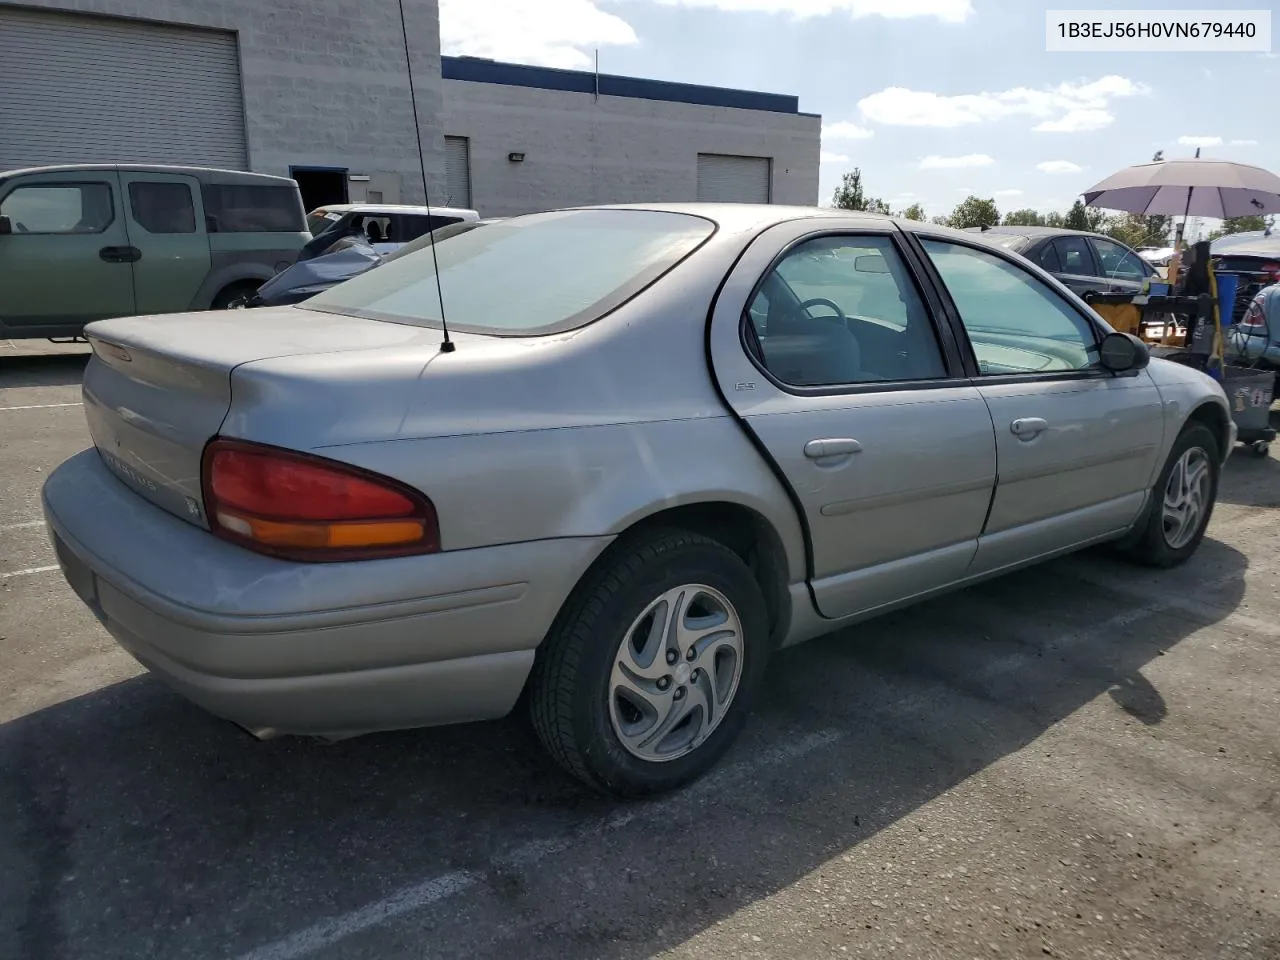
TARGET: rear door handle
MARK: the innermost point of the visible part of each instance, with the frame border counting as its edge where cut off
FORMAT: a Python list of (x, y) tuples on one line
[(1029, 427), (838, 447), (120, 254)]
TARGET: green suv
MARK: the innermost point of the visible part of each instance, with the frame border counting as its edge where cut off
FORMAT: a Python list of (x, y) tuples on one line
[(85, 242)]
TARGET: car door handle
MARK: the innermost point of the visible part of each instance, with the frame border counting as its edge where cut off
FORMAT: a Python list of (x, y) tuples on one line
[(1028, 428), (839, 447), (120, 254)]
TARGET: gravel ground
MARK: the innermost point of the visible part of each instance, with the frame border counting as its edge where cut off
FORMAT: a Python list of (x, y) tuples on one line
[(1077, 761)]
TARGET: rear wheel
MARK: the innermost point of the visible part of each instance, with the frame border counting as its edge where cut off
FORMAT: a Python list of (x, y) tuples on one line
[(1182, 501), (649, 672), (230, 295)]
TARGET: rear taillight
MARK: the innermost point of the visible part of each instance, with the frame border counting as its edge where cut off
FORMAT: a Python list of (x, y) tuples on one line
[(303, 507)]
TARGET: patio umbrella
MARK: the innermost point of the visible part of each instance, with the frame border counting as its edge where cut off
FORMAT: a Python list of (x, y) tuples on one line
[(1197, 188)]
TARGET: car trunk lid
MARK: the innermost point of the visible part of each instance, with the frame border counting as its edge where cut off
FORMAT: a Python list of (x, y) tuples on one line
[(158, 388)]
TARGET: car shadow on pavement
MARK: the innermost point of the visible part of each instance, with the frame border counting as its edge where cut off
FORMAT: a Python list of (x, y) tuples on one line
[(135, 825), (42, 369)]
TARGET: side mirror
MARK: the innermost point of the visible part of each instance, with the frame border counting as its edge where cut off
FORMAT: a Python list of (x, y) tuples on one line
[(1123, 353), (6, 226), (870, 263)]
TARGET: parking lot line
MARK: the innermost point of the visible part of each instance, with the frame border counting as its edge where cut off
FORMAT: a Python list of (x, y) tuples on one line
[(42, 406), (27, 572), (318, 936), (23, 525)]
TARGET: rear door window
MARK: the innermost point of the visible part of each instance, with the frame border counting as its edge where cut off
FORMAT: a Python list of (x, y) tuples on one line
[(1075, 257), (162, 207)]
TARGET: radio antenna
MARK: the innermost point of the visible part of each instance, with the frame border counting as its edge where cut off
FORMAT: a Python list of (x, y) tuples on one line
[(448, 345)]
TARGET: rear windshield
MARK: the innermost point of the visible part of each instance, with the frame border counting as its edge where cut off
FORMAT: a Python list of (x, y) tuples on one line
[(318, 223), (528, 276)]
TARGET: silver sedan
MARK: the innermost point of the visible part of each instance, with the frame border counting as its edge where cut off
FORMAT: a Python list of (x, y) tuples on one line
[(655, 445)]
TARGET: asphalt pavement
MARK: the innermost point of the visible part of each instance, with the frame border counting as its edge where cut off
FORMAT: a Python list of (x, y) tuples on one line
[(1076, 761)]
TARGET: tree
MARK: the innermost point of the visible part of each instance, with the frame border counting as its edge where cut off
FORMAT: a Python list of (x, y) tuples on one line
[(850, 195), (1023, 218), (913, 212), (1243, 224), (1136, 230), (941, 221), (1080, 217), (975, 212), (1054, 219)]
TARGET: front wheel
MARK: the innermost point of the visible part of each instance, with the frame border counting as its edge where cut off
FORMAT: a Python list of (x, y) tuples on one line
[(1183, 501), (649, 672)]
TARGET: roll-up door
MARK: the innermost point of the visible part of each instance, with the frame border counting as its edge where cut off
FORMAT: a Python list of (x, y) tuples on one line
[(457, 171), (723, 178), (86, 89)]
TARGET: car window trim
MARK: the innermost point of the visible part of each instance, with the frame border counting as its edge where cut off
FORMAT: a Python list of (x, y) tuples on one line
[(111, 198), (951, 358), (972, 373)]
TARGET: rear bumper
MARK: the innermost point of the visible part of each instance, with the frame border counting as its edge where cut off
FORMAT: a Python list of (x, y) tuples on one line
[(328, 649)]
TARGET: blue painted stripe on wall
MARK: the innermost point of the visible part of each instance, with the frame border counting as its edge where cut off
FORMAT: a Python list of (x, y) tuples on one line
[(582, 81)]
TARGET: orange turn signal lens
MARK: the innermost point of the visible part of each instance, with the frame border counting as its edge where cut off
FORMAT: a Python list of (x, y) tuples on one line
[(351, 535)]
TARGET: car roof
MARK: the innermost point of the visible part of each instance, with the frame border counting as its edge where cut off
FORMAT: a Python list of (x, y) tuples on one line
[(390, 208), (1039, 232), (213, 175), (734, 217)]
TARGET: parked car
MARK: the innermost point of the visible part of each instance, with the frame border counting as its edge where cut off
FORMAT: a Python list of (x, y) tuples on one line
[(1085, 262), (1157, 256), (80, 243), (653, 447), (1253, 257), (385, 226), (349, 258)]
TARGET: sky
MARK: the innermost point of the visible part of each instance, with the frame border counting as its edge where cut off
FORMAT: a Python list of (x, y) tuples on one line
[(932, 99)]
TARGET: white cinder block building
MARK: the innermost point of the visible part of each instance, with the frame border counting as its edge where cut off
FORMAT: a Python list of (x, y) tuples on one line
[(320, 90), (521, 138)]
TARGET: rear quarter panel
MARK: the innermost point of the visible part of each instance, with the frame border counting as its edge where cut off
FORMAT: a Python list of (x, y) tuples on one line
[(521, 439)]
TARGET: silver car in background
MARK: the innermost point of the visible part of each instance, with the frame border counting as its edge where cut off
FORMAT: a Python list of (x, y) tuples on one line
[(657, 444)]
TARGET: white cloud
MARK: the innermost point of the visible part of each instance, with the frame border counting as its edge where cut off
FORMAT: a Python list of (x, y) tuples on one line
[(1066, 108), (828, 157), (1076, 121), (1008, 193), (1244, 143), (844, 130), (950, 11), (552, 33), (1059, 166), (935, 162), (1200, 141)]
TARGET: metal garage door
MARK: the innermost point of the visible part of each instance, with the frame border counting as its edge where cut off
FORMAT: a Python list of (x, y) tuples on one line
[(723, 178), (80, 89), (457, 171)]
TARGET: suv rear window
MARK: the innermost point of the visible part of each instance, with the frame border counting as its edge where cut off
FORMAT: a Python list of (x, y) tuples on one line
[(250, 208), (558, 271)]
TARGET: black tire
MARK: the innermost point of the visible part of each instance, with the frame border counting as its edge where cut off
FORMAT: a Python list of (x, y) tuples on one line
[(569, 695), (1149, 545), (229, 295)]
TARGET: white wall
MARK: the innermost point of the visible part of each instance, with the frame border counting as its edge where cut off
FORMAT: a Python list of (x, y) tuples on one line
[(615, 150), (325, 81)]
